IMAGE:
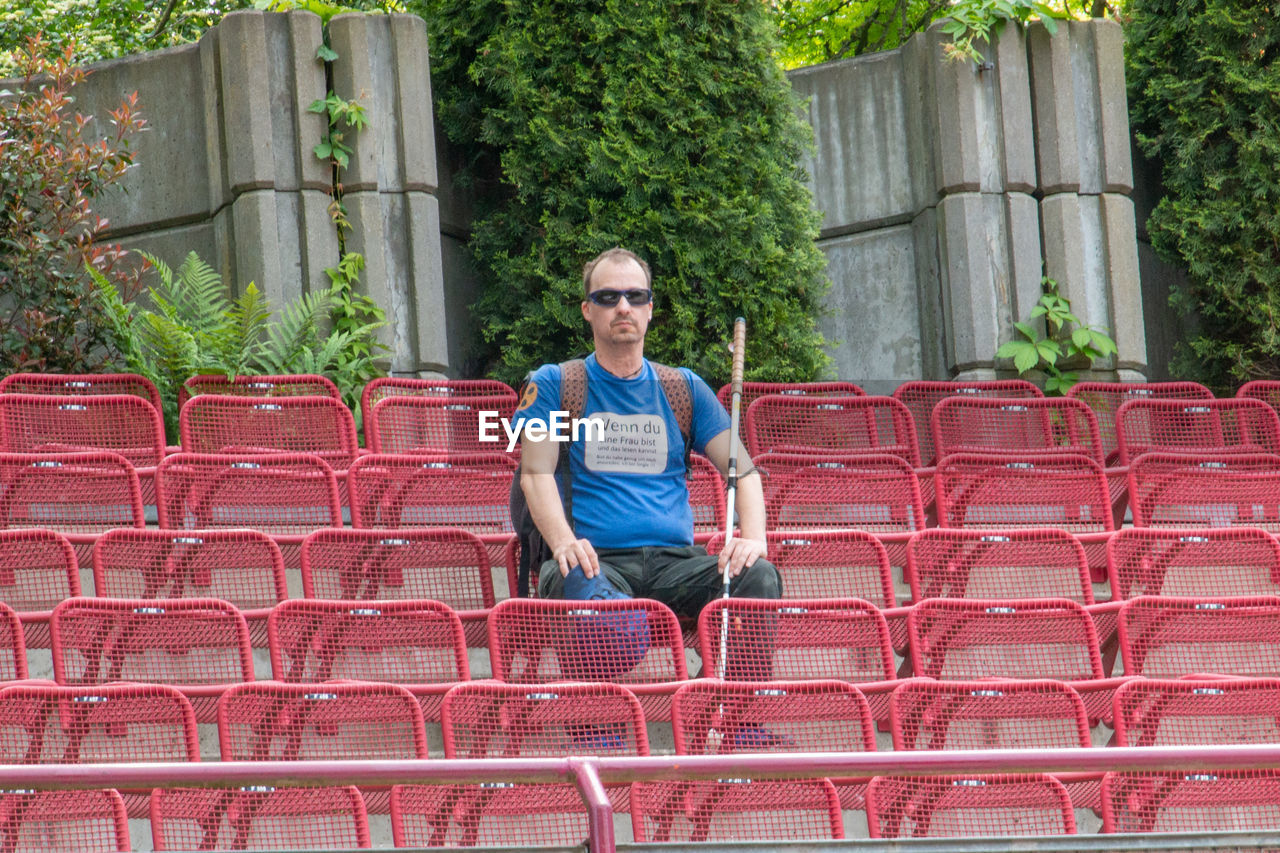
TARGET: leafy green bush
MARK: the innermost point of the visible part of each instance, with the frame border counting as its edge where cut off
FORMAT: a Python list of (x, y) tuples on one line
[(1204, 95), (665, 127), (1068, 341)]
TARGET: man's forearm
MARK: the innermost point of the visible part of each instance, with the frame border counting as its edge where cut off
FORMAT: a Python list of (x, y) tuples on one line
[(545, 507)]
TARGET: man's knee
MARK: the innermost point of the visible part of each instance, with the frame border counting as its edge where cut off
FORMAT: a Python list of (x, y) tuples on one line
[(760, 580)]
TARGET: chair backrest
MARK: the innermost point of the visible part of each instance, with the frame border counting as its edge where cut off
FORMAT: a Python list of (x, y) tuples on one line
[(177, 641), (286, 493), (506, 814), (625, 641), (273, 721), (405, 424), (83, 821), (13, 649), (991, 714), (1001, 424), (802, 424), (1190, 711), (1034, 563), (119, 423), (292, 385), (985, 491), (920, 396), (752, 391), (41, 723), (1194, 562), (879, 494), (967, 639), (38, 568), (69, 492), (706, 494), (1181, 490), (323, 426), (841, 638), (1164, 637), (713, 717), (1106, 398), (1233, 425), (403, 642), (471, 491), (828, 564), (259, 818), (735, 810), (443, 563), (967, 806), (376, 390), (1210, 801), (491, 720), (242, 567), (82, 384)]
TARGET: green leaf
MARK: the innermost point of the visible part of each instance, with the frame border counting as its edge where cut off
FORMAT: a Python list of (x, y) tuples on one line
[(1049, 351), (1026, 330), (326, 53), (317, 106), (323, 150), (1080, 338)]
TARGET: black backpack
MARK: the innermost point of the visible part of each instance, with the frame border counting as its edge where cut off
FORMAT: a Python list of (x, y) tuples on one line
[(573, 398)]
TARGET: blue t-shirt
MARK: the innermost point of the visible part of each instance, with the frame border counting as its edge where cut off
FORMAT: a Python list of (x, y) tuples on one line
[(629, 488)]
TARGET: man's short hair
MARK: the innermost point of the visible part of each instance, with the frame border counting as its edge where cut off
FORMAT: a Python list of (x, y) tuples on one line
[(617, 253)]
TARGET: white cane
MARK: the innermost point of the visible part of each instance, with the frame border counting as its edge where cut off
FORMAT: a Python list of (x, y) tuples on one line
[(735, 408)]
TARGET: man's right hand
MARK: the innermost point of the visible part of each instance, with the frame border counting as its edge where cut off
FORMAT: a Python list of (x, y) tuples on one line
[(577, 552)]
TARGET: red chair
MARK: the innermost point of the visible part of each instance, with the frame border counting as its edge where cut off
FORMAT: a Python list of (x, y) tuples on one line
[(879, 494), (752, 391), (82, 384), (80, 821), (828, 564), (13, 648), (1171, 637), (706, 495), (292, 385), (1020, 563), (404, 424), (1180, 490), (259, 818), (38, 569), (735, 810), (379, 389), (989, 714), (1053, 425), (1193, 563), (1190, 711), (1200, 801), (321, 426), (1235, 425), (992, 491), (1106, 398), (399, 490), (968, 806), (506, 814), (920, 396), (845, 425)]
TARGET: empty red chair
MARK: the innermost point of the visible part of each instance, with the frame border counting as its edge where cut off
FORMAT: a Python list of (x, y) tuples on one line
[(1191, 801), (879, 494), (38, 569), (322, 426), (1034, 563), (418, 644), (70, 821), (1106, 398), (41, 723), (376, 390), (1194, 562), (292, 385), (752, 391), (490, 720), (996, 424), (1164, 637), (920, 396), (991, 714), (82, 384), (1181, 490), (713, 717), (507, 814), (968, 806), (1234, 425), (706, 495), (13, 649), (830, 638), (404, 424), (829, 564), (984, 491), (273, 721), (259, 818), (467, 491), (1189, 711), (735, 810), (857, 425)]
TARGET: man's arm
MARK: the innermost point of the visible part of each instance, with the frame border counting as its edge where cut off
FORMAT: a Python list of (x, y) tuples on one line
[(538, 461), (745, 549)]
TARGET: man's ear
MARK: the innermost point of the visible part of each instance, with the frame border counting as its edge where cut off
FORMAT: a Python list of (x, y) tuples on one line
[(585, 305)]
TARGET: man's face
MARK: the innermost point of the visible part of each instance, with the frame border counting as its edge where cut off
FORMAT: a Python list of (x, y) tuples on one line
[(623, 323)]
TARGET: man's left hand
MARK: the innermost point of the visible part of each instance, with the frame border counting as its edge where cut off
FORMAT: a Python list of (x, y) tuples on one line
[(739, 553)]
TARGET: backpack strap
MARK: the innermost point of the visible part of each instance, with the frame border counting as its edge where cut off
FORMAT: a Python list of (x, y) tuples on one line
[(573, 399), (680, 399)]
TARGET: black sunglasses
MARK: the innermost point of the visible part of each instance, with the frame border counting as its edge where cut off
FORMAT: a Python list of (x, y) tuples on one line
[(609, 298)]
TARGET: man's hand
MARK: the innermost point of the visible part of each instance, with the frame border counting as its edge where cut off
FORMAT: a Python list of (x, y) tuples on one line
[(577, 552), (739, 553)]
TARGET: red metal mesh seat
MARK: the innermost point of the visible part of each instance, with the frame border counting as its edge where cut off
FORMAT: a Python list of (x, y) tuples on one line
[(13, 649), (735, 810), (45, 724), (259, 818), (38, 569), (879, 494), (984, 491), (991, 714), (82, 384), (291, 385), (376, 390), (1235, 425), (1189, 711), (467, 491), (830, 638), (1023, 426), (508, 814), (404, 424), (418, 644), (1106, 398), (119, 423), (323, 426), (712, 717), (273, 721), (920, 396), (968, 806), (1035, 563), (1195, 562), (70, 821), (492, 720), (1164, 637), (706, 495), (1205, 490), (845, 425), (74, 493), (828, 564), (752, 391), (1199, 801)]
